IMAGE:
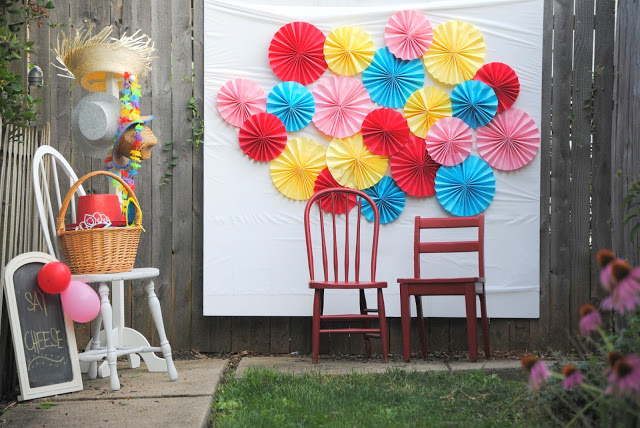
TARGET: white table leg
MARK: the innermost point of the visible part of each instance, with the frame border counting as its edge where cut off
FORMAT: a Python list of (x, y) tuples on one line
[(156, 313), (105, 309)]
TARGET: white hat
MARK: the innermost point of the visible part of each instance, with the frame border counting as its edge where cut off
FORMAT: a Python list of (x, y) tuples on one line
[(94, 123)]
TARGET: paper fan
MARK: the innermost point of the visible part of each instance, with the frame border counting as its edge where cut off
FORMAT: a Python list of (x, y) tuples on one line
[(389, 199), (353, 165), (424, 107), (293, 104), (238, 99), (338, 203), (294, 172), (504, 82), (348, 50), (466, 189), (509, 141), (390, 80), (342, 103), (449, 141), (296, 53), (474, 102), (457, 52), (262, 137), (408, 34), (413, 169), (385, 131)]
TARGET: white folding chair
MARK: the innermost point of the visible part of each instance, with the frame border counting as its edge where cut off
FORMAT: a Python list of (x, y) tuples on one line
[(115, 339)]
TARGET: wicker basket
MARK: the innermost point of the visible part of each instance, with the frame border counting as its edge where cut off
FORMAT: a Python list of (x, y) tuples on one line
[(104, 250)]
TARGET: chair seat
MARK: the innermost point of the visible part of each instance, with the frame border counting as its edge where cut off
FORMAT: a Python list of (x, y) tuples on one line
[(440, 280), (347, 284), (138, 273)]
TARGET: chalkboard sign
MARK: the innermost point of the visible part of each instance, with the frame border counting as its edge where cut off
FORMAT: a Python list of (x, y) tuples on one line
[(43, 337)]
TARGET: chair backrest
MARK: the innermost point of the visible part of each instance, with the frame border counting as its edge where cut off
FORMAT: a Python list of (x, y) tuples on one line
[(421, 247), (341, 235), (52, 179)]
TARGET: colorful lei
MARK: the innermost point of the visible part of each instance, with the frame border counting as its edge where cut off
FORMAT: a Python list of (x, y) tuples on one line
[(129, 114)]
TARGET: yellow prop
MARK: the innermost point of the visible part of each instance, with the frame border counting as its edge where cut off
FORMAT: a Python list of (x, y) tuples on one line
[(457, 52), (353, 165), (348, 50), (294, 172), (424, 107)]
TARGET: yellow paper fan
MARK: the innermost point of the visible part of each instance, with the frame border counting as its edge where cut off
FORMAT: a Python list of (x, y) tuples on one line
[(348, 50), (457, 52), (353, 165), (294, 172), (424, 107)]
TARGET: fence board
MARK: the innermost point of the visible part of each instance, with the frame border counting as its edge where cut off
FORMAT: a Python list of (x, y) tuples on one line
[(560, 176), (602, 118), (580, 273)]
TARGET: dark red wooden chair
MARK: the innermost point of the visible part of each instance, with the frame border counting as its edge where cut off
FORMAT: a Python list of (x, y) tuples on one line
[(342, 243), (469, 287)]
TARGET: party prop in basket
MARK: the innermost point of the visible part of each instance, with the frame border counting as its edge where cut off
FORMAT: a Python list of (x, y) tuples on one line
[(99, 250)]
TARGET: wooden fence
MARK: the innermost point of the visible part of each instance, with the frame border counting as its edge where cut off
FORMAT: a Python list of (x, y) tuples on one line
[(587, 159)]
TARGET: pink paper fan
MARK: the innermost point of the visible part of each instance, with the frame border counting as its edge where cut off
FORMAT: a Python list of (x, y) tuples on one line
[(342, 103), (262, 137), (408, 34), (510, 141), (296, 53), (239, 99), (339, 206), (413, 169), (449, 141), (385, 131), (503, 80)]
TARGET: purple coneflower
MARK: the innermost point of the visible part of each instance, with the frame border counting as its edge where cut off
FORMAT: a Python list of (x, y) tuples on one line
[(589, 319), (604, 259), (625, 287), (624, 374), (572, 377), (537, 369)]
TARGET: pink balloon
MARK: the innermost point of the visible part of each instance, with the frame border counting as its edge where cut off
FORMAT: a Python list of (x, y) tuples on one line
[(80, 302)]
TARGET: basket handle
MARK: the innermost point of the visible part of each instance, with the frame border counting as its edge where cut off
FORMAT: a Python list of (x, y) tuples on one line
[(77, 184)]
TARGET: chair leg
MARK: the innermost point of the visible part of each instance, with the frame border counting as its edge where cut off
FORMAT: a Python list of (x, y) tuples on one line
[(406, 322), (95, 344), (421, 332), (384, 337), (485, 325), (105, 309), (315, 327), (156, 314), (472, 333), (367, 324)]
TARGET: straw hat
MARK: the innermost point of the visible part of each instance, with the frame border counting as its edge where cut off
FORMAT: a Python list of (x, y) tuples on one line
[(122, 147), (87, 59), (94, 123)]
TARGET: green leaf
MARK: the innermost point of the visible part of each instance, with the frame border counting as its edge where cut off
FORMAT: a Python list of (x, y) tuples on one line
[(631, 215), (634, 231), (50, 5), (173, 163)]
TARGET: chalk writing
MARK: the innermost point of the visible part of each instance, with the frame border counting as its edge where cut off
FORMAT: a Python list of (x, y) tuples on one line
[(36, 301)]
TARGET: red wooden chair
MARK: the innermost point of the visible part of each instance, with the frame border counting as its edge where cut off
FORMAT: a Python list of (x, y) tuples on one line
[(339, 241), (469, 287)]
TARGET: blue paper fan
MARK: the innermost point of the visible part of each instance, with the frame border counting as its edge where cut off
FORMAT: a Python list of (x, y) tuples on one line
[(293, 104), (389, 199), (474, 102), (390, 81), (465, 189)]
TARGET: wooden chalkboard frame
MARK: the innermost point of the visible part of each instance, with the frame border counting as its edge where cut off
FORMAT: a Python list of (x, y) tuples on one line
[(27, 391)]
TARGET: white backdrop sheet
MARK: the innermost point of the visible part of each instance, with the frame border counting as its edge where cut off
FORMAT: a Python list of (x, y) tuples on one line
[(254, 249)]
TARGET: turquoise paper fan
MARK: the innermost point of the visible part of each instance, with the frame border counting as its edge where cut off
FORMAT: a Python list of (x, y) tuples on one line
[(474, 102), (293, 104), (465, 189), (389, 199)]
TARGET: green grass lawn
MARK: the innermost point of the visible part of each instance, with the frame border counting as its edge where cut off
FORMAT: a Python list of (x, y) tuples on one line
[(397, 398)]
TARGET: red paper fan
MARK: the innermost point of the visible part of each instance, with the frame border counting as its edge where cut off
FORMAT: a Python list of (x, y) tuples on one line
[(262, 137), (413, 169), (385, 131), (339, 204), (296, 53), (449, 141), (503, 80)]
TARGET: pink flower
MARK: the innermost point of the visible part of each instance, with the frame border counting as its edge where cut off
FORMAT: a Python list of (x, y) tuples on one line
[(572, 377), (624, 374), (537, 369), (604, 259), (589, 319), (625, 287)]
